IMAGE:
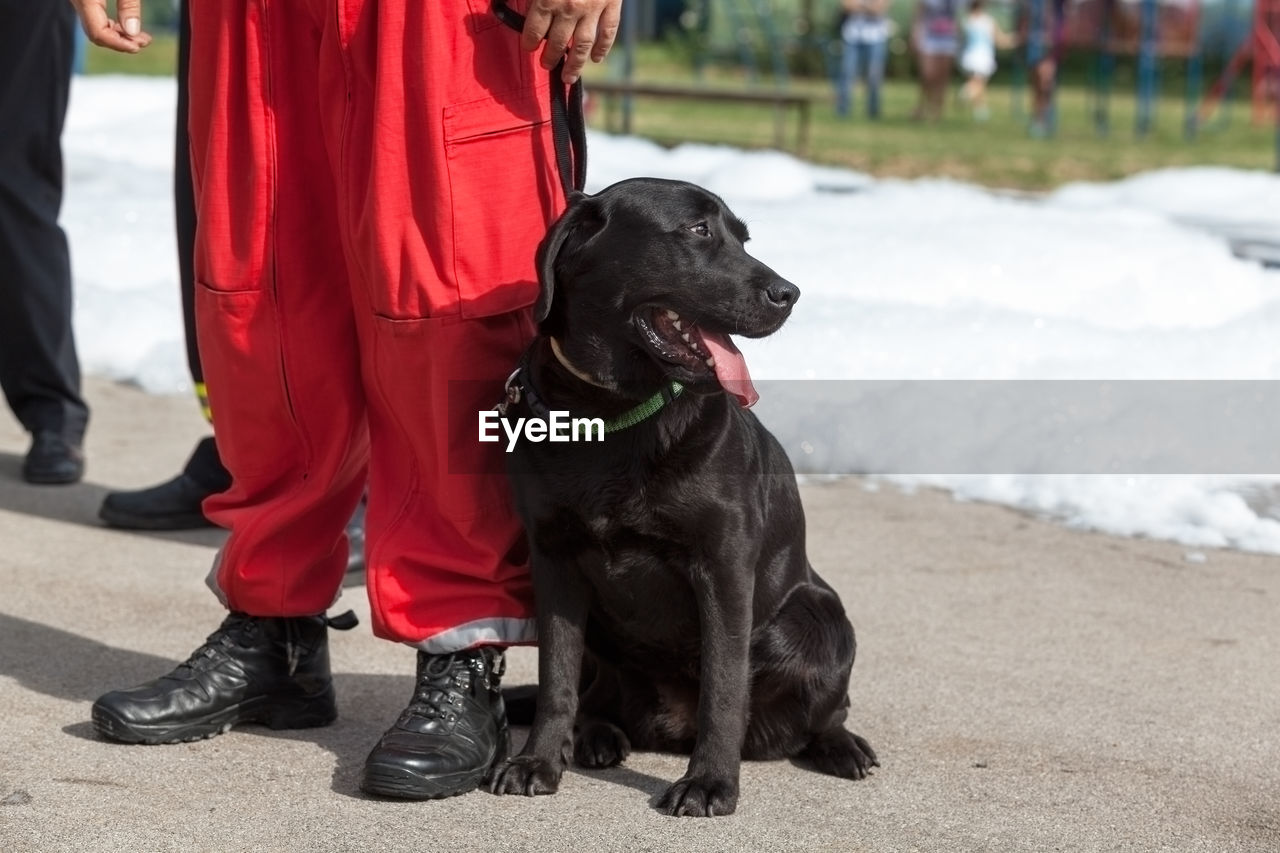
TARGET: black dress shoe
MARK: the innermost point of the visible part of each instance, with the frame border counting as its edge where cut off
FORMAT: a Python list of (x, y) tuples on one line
[(273, 671), (173, 504), (454, 728), (53, 460)]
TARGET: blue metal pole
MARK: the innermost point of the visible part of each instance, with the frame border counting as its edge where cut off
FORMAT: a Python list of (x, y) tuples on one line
[(741, 37), (1195, 84), (629, 24), (1106, 70), (1147, 67), (1019, 76), (777, 51), (1275, 94), (1238, 29), (1035, 52)]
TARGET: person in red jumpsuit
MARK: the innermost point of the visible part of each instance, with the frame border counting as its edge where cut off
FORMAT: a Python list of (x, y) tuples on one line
[(372, 179)]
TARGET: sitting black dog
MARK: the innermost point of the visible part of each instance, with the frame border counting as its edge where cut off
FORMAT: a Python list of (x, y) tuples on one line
[(669, 565)]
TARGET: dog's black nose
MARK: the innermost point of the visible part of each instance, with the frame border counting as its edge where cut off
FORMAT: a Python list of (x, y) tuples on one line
[(783, 293)]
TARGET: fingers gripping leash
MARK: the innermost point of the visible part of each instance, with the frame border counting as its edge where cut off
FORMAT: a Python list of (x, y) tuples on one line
[(568, 121)]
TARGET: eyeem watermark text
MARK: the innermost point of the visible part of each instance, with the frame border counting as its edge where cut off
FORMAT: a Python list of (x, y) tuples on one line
[(557, 427)]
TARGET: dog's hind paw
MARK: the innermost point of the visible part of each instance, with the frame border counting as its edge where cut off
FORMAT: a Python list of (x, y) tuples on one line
[(525, 774), (598, 743), (700, 796), (840, 752)]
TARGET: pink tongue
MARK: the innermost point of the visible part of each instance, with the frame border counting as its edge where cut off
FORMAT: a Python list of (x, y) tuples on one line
[(731, 367)]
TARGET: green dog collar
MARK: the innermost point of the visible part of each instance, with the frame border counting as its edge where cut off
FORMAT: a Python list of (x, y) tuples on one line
[(645, 410)]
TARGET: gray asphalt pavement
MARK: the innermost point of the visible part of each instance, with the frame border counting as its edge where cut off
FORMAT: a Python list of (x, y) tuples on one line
[(1028, 688)]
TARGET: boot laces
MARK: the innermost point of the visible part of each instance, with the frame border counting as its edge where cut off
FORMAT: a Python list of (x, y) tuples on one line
[(217, 645), (444, 680), (241, 629)]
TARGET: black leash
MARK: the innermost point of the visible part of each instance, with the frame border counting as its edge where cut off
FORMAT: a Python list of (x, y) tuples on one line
[(568, 121)]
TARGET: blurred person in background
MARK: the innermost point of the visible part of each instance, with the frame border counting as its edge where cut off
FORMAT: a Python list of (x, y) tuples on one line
[(864, 36), (935, 36), (39, 369), (1045, 47), (982, 34)]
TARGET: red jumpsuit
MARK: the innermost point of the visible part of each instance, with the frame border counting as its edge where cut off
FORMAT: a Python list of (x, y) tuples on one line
[(372, 179)]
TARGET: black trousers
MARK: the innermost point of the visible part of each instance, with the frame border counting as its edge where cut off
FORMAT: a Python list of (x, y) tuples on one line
[(205, 464), (184, 200), (39, 371)]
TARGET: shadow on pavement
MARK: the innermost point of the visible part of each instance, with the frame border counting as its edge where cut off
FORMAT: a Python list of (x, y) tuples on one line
[(64, 665), (67, 666), (78, 504), (646, 784)]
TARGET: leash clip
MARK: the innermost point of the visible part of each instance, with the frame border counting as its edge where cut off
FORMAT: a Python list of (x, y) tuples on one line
[(512, 396)]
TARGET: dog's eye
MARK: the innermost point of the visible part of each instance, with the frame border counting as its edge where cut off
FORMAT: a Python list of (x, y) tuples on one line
[(701, 229)]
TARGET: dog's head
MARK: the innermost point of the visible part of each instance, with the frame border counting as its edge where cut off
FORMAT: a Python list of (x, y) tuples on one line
[(646, 281)]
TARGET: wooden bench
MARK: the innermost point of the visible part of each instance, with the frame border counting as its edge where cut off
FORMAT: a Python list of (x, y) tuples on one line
[(615, 91)]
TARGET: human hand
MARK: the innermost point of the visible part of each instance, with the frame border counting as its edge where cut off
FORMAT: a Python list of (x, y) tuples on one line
[(590, 25), (124, 34)]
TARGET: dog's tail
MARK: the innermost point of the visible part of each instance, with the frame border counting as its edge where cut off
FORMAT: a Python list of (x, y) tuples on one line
[(839, 752), (521, 702)]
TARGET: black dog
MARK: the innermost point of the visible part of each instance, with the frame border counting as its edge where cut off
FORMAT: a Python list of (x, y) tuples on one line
[(670, 556)]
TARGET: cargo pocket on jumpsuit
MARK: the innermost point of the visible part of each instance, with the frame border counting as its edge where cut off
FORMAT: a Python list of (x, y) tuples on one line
[(503, 193), (463, 477)]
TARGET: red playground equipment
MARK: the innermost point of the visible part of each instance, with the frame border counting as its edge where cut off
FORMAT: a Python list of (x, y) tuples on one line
[(1146, 30), (1261, 48), (1153, 30), (1122, 26)]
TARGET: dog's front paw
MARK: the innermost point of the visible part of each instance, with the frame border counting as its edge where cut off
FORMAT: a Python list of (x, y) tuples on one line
[(598, 743), (700, 796), (841, 753), (525, 774), (863, 758)]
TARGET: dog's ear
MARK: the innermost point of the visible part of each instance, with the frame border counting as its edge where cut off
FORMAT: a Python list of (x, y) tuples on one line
[(582, 218)]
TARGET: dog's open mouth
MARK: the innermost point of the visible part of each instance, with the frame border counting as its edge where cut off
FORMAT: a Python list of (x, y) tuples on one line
[(698, 350)]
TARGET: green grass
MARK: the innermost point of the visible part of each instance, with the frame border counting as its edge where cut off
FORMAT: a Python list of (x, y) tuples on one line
[(996, 153), (160, 58)]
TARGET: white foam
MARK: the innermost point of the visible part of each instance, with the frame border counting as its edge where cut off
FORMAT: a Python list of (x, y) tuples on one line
[(900, 279)]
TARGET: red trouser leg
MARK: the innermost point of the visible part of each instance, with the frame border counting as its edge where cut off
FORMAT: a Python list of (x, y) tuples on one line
[(414, 137), (273, 311)]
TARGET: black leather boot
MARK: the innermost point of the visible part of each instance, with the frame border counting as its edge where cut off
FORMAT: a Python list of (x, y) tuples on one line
[(454, 728), (173, 504), (273, 671), (53, 460)]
